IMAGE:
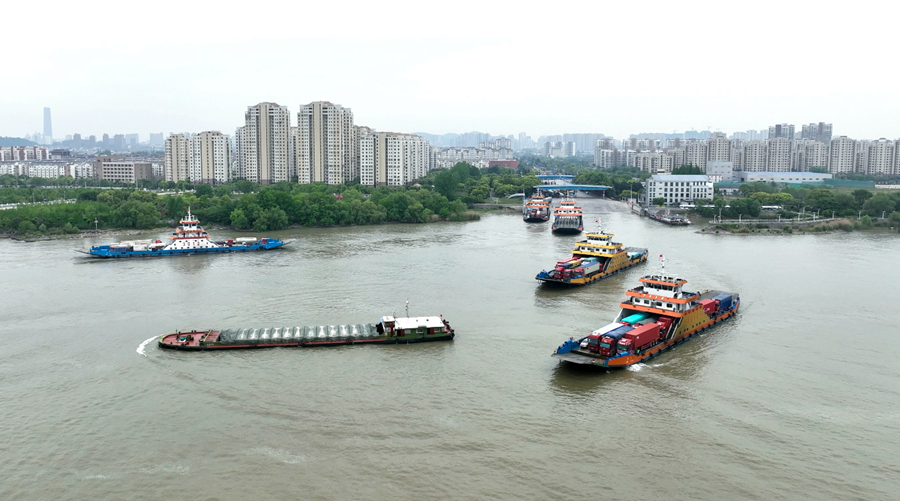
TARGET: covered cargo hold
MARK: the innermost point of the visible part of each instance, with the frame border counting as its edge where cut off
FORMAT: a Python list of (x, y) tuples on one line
[(632, 319), (724, 301)]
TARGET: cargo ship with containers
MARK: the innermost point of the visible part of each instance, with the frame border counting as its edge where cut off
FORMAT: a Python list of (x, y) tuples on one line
[(536, 210), (188, 239), (567, 218), (388, 330), (595, 258), (655, 317)]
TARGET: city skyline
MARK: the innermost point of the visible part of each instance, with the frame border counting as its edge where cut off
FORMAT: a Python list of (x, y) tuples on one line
[(444, 73)]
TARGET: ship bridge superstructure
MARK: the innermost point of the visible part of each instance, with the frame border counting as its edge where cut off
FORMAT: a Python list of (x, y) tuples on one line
[(598, 243), (189, 234), (662, 294)]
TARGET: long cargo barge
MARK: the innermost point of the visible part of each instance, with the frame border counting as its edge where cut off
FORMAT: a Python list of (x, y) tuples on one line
[(188, 239), (388, 330), (655, 316), (595, 258)]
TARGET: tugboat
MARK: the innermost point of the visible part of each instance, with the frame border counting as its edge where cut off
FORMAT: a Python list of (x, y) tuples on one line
[(594, 259), (536, 210), (388, 330), (655, 316), (189, 238), (567, 218)]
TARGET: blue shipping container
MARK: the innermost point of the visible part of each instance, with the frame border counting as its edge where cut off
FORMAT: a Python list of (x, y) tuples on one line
[(724, 301)]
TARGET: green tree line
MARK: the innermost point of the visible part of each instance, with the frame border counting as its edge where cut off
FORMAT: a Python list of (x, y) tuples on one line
[(272, 207)]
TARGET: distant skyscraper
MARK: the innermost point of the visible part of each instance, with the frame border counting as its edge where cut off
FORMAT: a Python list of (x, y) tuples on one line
[(781, 130), (156, 140), (817, 132), (48, 128)]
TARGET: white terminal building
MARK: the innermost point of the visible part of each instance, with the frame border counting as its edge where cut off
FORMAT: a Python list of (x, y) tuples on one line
[(678, 188)]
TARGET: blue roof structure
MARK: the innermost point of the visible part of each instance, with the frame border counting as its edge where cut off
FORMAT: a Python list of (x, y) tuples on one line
[(585, 187), (558, 176)]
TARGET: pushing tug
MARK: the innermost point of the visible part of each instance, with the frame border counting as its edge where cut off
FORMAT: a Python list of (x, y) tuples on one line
[(536, 210), (388, 330), (567, 218), (655, 316), (593, 259), (188, 239)]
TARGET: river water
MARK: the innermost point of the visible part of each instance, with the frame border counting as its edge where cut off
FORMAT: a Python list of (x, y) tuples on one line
[(797, 398)]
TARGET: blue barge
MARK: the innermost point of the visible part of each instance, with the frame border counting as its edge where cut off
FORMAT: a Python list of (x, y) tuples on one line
[(188, 239)]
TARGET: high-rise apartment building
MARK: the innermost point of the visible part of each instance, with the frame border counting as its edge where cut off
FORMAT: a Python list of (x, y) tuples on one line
[(781, 130), (237, 165), (324, 149), (654, 163), (203, 158), (177, 158), (156, 140), (754, 156), (817, 132), (265, 144), (605, 158), (718, 148), (880, 158), (210, 158), (48, 127), (842, 157), (387, 158), (695, 153), (778, 154), (809, 154), (861, 156)]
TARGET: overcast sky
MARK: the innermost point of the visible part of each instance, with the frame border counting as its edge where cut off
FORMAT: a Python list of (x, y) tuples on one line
[(497, 67)]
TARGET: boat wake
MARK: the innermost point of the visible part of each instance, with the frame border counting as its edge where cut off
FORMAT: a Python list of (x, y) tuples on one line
[(140, 349)]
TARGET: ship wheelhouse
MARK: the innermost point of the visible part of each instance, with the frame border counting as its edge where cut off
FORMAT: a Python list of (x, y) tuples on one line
[(662, 294), (598, 244)]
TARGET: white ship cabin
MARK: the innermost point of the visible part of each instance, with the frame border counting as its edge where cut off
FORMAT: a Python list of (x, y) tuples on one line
[(598, 244), (663, 292), (190, 235), (413, 326)]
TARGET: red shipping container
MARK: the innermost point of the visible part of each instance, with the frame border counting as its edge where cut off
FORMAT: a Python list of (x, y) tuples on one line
[(642, 335)]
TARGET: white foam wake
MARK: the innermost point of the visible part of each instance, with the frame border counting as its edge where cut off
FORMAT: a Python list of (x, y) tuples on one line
[(140, 349)]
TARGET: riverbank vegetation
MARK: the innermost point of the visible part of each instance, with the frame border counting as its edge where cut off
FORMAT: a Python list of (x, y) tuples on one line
[(444, 194), (264, 208)]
